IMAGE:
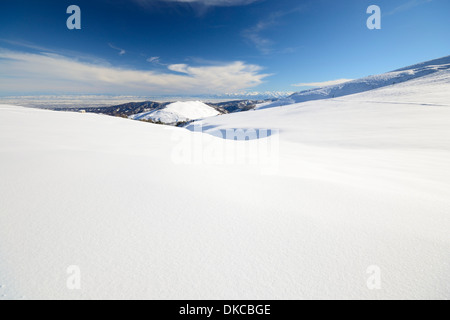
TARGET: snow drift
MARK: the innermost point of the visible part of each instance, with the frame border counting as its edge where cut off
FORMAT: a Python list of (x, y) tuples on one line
[(362, 184)]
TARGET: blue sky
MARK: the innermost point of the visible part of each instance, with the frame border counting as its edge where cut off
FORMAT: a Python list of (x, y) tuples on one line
[(172, 47)]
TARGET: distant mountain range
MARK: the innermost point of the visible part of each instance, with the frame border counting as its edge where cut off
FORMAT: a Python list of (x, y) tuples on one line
[(254, 95), (134, 109)]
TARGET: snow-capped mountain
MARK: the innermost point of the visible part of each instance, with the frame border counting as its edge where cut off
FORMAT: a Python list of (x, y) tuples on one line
[(133, 109), (178, 112), (364, 84), (255, 95)]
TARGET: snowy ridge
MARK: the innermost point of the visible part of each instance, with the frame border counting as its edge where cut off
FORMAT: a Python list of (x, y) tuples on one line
[(178, 112), (364, 84)]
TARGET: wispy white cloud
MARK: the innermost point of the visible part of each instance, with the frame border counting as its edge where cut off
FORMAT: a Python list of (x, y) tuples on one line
[(407, 6), (209, 3), (25, 44), (121, 51), (255, 34), (322, 84), (48, 72), (153, 60), (157, 61)]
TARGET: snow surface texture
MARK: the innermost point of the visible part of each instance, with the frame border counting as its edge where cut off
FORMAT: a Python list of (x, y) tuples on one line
[(362, 181), (178, 112), (364, 84)]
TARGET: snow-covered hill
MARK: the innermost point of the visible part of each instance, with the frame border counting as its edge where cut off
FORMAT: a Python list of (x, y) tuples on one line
[(364, 84), (178, 112), (358, 191)]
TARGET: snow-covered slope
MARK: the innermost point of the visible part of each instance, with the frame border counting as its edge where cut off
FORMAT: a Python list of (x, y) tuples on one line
[(357, 120), (178, 112), (357, 184), (364, 84)]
